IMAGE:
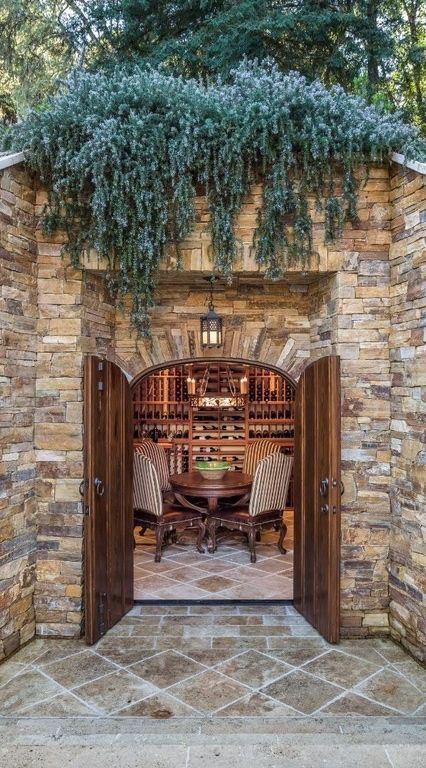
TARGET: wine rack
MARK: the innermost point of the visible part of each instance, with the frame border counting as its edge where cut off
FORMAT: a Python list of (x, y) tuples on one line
[(162, 410)]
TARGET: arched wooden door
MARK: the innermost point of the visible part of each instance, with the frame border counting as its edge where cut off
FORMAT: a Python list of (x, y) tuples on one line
[(317, 496), (107, 490)]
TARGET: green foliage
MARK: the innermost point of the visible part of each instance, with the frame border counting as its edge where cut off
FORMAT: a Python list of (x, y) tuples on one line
[(122, 155), (35, 51), (376, 44), (375, 48)]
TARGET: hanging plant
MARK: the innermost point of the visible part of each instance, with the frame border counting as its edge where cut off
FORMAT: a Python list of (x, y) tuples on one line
[(121, 155)]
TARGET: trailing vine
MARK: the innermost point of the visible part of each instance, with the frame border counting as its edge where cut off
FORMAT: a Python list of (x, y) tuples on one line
[(122, 155)]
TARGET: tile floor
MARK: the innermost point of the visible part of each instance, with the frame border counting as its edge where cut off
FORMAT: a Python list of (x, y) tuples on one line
[(185, 574), (246, 662)]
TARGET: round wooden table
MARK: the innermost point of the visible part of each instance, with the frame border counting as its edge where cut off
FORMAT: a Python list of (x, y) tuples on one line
[(193, 484)]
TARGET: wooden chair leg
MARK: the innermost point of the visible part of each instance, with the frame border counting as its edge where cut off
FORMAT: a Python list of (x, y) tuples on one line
[(200, 537), (252, 544), (283, 531), (159, 536), (211, 528)]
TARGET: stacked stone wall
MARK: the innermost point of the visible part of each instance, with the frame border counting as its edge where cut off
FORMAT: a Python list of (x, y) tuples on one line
[(347, 302), (407, 256), (350, 318), (75, 318), (18, 317)]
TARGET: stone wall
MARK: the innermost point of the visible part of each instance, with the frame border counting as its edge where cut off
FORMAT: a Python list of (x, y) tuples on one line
[(74, 319), (18, 316), (407, 256), (266, 322), (346, 302), (350, 318)]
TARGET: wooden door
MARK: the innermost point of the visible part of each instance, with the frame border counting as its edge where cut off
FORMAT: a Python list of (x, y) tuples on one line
[(107, 488), (317, 496)]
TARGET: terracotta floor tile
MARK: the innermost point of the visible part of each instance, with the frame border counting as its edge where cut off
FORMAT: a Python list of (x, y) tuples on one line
[(208, 691), (302, 692), (392, 690), (353, 705), (113, 692), (128, 651), (341, 669), (296, 651), (63, 705), (214, 583), (187, 573), (160, 706), (23, 689), (166, 669), (79, 669), (257, 705), (253, 668)]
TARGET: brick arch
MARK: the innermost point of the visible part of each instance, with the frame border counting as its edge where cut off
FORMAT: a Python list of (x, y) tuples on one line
[(287, 354), (210, 359)]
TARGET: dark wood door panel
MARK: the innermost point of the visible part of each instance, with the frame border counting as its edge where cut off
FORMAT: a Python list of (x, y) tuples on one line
[(317, 495), (108, 482)]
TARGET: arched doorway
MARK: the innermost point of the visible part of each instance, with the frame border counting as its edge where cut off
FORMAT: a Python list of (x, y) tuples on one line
[(214, 409), (107, 495)]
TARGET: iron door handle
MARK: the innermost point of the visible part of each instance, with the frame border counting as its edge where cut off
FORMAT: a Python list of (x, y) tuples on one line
[(324, 487), (100, 488), (325, 508), (82, 487)]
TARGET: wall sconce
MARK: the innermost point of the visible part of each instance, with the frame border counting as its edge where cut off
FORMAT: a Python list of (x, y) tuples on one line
[(211, 324)]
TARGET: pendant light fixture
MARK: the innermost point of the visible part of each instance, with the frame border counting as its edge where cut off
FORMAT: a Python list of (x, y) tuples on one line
[(211, 323)]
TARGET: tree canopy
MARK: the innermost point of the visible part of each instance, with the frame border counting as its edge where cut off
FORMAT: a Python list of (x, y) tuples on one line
[(374, 48)]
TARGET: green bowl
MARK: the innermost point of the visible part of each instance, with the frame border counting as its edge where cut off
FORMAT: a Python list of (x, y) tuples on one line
[(212, 470), (210, 465)]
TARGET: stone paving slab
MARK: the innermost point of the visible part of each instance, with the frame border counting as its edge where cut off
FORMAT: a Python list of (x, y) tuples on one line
[(220, 756)]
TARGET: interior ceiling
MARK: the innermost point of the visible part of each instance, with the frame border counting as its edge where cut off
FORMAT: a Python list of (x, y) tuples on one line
[(201, 280)]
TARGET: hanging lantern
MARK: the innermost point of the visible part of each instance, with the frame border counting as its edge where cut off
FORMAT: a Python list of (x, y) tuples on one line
[(211, 324)]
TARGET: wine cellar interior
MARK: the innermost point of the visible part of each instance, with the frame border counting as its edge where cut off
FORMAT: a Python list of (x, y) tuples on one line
[(212, 410)]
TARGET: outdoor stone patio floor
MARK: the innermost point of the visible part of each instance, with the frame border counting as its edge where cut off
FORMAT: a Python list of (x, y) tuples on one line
[(185, 686), (212, 661)]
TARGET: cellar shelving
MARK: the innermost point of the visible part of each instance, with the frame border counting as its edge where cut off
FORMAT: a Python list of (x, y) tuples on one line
[(162, 410)]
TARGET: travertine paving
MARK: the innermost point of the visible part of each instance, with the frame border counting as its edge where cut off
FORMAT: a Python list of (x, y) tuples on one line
[(237, 663), (228, 574)]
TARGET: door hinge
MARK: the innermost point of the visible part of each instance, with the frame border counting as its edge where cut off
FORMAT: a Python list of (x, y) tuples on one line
[(101, 612)]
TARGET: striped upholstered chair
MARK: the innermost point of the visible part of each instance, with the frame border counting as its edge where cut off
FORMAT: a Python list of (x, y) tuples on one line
[(265, 508), (150, 511), (256, 451), (158, 456)]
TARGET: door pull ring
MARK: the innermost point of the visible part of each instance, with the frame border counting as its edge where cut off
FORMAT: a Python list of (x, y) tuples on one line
[(100, 489), (325, 508), (342, 487), (324, 487), (82, 487)]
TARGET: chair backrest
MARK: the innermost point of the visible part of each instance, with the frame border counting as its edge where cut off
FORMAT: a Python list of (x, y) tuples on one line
[(257, 450), (270, 484), (146, 487), (158, 456)]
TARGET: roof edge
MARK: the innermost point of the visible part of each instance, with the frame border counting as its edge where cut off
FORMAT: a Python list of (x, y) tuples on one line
[(7, 160), (414, 165), (18, 157)]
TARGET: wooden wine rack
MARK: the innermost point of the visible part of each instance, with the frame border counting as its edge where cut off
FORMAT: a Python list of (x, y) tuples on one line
[(162, 411)]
